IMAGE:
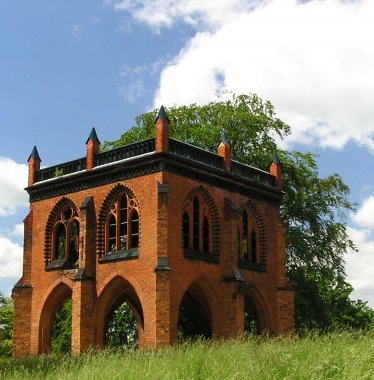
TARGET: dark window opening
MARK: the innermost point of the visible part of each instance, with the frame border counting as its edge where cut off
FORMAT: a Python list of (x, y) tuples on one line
[(205, 235), (186, 231), (134, 229), (245, 236), (74, 243), (196, 224), (123, 222), (112, 233), (60, 242), (254, 246)]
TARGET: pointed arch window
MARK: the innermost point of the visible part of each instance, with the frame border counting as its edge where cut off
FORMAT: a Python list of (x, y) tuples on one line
[(196, 229), (249, 238), (122, 225), (65, 240), (186, 230)]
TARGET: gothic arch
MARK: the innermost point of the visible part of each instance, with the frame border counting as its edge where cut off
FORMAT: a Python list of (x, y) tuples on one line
[(214, 214), (257, 215), (63, 202), (207, 305), (253, 298), (55, 298), (104, 210), (117, 290)]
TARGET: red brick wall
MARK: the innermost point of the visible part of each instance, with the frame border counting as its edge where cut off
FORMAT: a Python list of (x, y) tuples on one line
[(156, 293)]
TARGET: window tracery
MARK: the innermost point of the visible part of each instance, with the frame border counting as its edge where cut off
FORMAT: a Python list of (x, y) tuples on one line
[(196, 226), (122, 224), (248, 235), (65, 237)]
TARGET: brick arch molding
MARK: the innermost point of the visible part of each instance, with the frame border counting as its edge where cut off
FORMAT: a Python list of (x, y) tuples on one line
[(64, 201), (104, 210), (257, 215), (213, 210)]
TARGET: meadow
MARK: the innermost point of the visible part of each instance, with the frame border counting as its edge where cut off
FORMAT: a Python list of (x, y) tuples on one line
[(337, 355)]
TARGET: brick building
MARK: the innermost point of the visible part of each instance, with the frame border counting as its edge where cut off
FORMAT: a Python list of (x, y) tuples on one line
[(158, 224)]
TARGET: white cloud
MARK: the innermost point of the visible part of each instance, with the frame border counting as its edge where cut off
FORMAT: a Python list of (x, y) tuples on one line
[(166, 13), (18, 230), (359, 266), (10, 258), (314, 61), (13, 179), (365, 215)]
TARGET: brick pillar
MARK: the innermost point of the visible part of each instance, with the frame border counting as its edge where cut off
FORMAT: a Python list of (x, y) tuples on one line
[(22, 297), (285, 292), (224, 150), (162, 131), (92, 148), (164, 333), (34, 165), (83, 329), (276, 169), (232, 299)]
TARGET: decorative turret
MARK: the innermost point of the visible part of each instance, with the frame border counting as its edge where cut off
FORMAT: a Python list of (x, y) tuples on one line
[(92, 148), (162, 131), (224, 150), (34, 165), (276, 169)]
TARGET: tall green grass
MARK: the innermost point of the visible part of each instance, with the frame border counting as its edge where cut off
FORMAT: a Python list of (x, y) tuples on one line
[(345, 355)]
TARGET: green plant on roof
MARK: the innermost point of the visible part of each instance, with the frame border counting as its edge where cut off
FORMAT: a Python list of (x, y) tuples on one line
[(58, 173)]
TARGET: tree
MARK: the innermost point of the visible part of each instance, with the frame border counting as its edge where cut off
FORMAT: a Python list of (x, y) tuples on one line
[(121, 329), (6, 325), (61, 329), (314, 209)]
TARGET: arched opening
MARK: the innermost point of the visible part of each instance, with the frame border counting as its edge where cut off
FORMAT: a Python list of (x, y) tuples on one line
[(61, 329), (120, 316), (256, 317), (121, 328), (194, 319), (55, 320), (251, 322)]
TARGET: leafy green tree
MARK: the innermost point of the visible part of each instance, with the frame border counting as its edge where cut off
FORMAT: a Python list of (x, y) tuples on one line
[(61, 329), (6, 325), (314, 209), (121, 330)]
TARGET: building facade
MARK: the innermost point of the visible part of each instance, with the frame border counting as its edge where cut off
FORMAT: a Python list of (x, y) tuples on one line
[(158, 224)]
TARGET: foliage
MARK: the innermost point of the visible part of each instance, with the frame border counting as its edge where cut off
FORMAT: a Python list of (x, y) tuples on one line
[(58, 173), (313, 209), (121, 328), (339, 355), (61, 329), (6, 325)]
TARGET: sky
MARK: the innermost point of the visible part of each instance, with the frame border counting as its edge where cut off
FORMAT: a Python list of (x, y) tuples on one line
[(67, 66)]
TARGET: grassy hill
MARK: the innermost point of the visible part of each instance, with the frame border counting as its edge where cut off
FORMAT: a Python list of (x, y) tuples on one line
[(344, 355)]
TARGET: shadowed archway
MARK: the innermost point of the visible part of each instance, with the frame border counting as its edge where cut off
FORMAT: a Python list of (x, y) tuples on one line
[(56, 299), (120, 320)]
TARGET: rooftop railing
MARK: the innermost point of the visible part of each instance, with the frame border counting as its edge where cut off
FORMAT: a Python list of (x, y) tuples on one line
[(127, 151), (62, 169), (196, 154), (147, 146), (251, 173)]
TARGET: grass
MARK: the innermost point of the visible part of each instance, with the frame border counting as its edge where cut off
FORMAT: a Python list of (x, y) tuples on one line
[(345, 355)]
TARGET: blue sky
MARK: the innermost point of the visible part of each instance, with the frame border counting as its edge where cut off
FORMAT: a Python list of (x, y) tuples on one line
[(67, 66)]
